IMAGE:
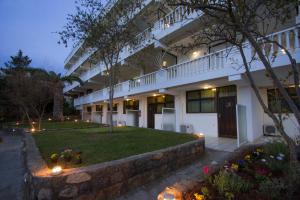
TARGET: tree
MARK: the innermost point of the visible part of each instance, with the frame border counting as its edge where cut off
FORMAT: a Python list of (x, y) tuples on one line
[(18, 60), (30, 91), (57, 81), (106, 32), (237, 22)]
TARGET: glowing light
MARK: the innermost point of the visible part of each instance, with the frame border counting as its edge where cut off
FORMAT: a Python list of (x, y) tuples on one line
[(164, 63), (154, 95), (195, 54), (49, 119), (206, 87), (199, 135), (32, 130), (17, 123), (214, 89), (33, 122), (138, 80), (68, 118), (283, 51), (88, 121), (56, 170), (76, 120)]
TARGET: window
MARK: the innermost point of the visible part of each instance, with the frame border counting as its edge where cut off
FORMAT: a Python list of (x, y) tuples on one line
[(115, 107), (130, 105), (89, 109), (99, 108), (277, 104), (201, 101), (161, 101)]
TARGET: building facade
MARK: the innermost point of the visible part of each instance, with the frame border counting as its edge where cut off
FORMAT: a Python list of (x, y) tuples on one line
[(204, 90)]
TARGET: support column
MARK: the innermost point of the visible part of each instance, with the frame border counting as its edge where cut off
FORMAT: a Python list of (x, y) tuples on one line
[(254, 111)]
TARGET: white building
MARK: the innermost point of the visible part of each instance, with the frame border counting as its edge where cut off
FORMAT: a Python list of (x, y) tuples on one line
[(198, 92)]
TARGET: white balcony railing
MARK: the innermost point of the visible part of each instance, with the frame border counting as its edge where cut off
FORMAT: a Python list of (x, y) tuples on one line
[(195, 67), (180, 14), (214, 65)]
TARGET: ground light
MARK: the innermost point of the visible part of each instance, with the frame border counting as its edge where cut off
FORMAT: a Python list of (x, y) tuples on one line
[(17, 123), (32, 130), (75, 120), (56, 170), (199, 135), (49, 119)]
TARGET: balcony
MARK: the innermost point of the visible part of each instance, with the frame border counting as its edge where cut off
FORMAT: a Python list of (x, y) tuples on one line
[(215, 65), (164, 26)]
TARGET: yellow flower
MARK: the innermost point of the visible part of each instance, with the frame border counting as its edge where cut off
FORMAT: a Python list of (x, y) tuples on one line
[(234, 166), (247, 157), (259, 150), (199, 196)]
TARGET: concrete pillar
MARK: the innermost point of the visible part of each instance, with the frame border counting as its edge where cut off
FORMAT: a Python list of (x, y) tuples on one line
[(143, 108), (254, 112), (179, 109)]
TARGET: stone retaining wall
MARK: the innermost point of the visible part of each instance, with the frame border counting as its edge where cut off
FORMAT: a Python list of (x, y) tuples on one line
[(106, 180)]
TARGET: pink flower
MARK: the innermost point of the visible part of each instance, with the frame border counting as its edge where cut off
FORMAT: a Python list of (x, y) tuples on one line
[(205, 170)]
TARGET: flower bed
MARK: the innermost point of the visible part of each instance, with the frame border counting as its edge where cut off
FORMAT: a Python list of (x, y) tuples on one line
[(259, 173)]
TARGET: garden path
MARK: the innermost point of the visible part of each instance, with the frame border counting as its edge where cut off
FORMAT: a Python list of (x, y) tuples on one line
[(11, 166), (192, 172)]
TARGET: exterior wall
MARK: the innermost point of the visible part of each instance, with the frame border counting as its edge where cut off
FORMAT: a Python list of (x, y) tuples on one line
[(290, 123), (206, 123), (143, 108), (254, 112)]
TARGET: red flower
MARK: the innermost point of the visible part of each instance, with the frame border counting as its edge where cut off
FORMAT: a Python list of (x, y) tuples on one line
[(205, 170)]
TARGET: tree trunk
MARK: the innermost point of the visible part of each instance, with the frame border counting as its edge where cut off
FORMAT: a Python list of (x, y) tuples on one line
[(111, 99), (58, 103)]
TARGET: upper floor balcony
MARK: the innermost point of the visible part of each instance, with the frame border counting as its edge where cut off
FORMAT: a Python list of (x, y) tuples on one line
[(224, 63), (173, 21)]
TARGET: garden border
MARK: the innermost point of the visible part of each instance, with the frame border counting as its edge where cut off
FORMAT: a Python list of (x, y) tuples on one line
[(109, 179)]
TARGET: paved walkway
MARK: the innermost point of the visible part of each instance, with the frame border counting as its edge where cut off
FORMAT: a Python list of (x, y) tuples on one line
[(188, 173), (221, 144), (11, 166)]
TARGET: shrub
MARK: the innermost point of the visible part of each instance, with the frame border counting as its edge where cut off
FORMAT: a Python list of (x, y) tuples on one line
[(275, 148), (272, 188), (54, 157), (226, 182), (67, 155)]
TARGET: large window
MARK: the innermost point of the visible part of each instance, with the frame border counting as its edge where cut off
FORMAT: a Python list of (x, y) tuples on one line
[(115, 107), (161, 101), (201, 101), (99, 108), (277, 104), (130, 105)]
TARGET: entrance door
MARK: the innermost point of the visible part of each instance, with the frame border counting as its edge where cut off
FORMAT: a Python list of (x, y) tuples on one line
[(151, 115), (227, 116)]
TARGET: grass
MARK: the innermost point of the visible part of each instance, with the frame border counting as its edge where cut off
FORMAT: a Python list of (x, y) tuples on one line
[(49, 125), (97, 145)]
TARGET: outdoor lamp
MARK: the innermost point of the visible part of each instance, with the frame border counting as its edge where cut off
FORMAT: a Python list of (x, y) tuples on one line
[(56, 170)]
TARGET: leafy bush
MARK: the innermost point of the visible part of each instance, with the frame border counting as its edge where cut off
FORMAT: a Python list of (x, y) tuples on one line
[(226, 182), (275, 148), (54, 157), (272, 188)]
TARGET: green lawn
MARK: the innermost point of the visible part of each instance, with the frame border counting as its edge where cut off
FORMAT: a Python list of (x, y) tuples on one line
[(97, 145), (49, 125)]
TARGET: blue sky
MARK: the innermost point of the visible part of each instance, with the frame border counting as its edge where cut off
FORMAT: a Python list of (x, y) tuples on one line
[(30, 25)]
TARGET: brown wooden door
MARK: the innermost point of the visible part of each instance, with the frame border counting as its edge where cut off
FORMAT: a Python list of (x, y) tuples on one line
[(151, 115), (227, 117)]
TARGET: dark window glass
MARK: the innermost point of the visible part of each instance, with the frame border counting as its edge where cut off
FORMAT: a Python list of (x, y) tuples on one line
[(201, 101), (276, 102), (227, 91), (89, 109), (99, 108), (115, 107), (130, 105)]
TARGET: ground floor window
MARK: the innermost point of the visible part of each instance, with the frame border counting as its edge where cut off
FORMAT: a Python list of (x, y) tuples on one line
[(205, 100), (130, 105), (276, 102), (99, 108), (115, 107), (89, 109), (160, 102)]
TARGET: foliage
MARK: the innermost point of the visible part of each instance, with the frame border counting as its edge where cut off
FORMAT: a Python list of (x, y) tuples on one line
[(18, 61), (272, 188), (54, 158), (277, 147), (199, 196), (205, 192), (67, 155), (226, 181)]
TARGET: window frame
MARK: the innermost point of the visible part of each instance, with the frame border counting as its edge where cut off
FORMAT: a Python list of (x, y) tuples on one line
[(214, 99)]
